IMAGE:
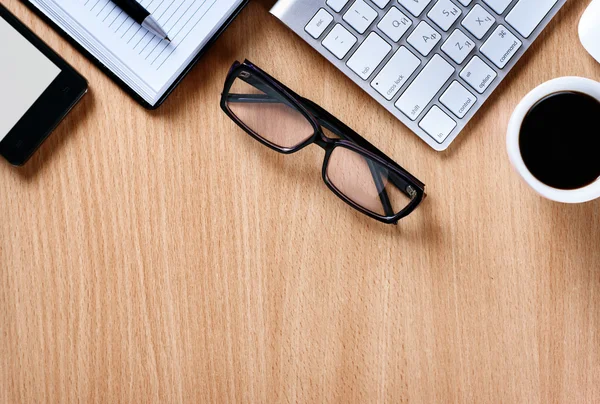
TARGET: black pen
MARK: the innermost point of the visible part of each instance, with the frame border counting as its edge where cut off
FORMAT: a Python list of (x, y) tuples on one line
[(140, 15)]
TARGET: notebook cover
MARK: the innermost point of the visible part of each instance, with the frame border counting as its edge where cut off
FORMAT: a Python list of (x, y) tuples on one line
[(114, 77)]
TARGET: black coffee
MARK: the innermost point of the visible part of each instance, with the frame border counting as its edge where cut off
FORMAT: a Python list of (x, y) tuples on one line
[(560, 140)]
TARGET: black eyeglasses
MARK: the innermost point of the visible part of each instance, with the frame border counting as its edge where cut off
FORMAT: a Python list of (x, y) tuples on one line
[(354, 169)]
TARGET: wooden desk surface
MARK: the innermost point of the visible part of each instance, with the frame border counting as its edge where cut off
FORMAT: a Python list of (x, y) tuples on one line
[(146, 258)]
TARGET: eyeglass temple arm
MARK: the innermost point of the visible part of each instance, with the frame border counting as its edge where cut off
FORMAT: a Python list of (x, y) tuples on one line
[(257, 99), (380, 186), (268, 97)]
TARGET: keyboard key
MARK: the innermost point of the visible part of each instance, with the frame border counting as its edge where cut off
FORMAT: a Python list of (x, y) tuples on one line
[(498, 5), (319, 23), (337, 5), (424, 38), (444, 13), (458, 46), (360, 16), (437, 124), (339, 41), (415, 7), (478, 75), (394, 24), (395, 73), (458, 99), (381, 3), (425, 86), (478, 22), (527, 15), (369, 55), (501, 46)]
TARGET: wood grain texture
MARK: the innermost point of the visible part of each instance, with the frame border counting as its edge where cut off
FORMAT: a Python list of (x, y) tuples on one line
[(166, 257)]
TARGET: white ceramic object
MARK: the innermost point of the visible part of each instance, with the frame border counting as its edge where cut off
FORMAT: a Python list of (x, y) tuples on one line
[(578, 84), (589, 29)]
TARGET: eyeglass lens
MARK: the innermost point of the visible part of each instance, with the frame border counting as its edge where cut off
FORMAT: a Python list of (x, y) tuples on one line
[(260, 107), (367, 183)]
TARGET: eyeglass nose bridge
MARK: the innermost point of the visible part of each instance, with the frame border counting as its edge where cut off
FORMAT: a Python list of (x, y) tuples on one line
[(323, 141)]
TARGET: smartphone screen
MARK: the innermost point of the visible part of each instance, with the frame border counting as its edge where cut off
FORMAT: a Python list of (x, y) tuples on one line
[(25, 73)]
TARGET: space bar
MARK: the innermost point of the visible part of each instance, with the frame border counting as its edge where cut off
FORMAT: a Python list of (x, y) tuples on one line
[(527, 15)]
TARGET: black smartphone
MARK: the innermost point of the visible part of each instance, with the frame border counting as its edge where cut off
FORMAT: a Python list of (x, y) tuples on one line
[(37, 90)]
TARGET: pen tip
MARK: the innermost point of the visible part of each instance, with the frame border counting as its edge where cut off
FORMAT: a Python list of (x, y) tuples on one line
[(168, 39)]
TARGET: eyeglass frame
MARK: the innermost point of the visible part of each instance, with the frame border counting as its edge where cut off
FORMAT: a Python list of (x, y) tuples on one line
[(319, 118)]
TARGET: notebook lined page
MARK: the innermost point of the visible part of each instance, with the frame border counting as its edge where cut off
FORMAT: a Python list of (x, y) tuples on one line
[(189, 24), (176, 17)]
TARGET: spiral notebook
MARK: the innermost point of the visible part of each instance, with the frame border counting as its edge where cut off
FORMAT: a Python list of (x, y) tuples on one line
[(144, 65)]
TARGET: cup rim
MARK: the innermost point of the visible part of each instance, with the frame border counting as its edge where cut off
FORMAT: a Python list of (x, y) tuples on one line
[(571, 83)]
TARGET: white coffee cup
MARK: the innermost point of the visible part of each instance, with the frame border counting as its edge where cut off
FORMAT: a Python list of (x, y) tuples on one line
[(578, 84)]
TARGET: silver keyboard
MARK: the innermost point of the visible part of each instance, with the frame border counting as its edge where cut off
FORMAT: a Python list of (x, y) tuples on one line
[(431, 63)]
